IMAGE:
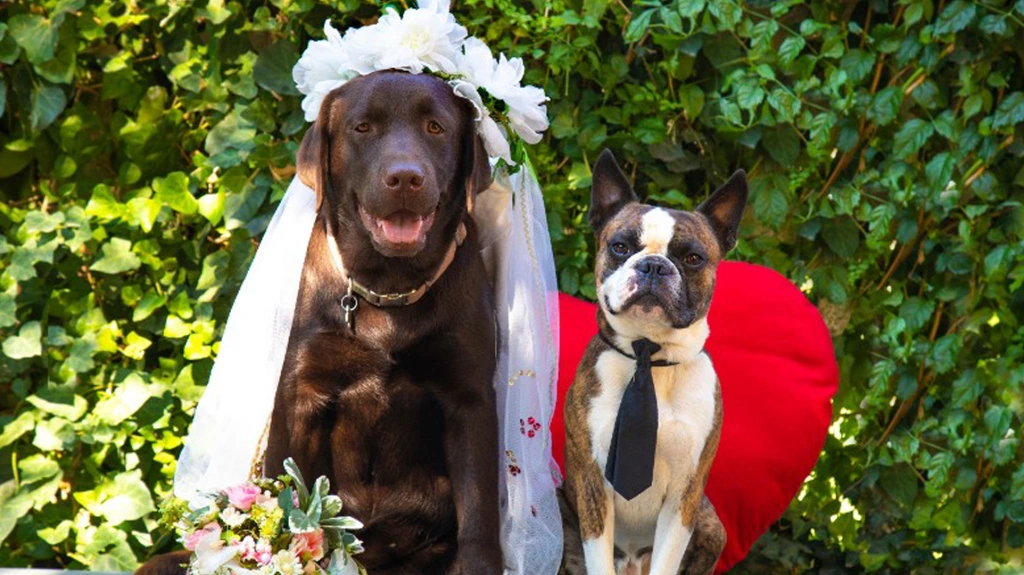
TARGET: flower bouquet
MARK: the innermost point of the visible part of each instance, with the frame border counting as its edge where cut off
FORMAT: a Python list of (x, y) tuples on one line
[(268, 527)]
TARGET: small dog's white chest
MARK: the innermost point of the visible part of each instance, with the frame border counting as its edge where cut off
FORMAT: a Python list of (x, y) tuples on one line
[(686, 416)]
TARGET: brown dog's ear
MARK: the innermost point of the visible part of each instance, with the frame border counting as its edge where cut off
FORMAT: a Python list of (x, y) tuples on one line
[(610, 191), (478, 166), (724, 209), (313, 162)]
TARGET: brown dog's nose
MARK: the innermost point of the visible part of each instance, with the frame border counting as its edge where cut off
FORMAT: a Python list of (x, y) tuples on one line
[(404, 177)]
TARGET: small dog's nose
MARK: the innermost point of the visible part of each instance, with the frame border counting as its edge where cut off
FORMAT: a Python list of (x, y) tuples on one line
[(654, 266), (404, 177)]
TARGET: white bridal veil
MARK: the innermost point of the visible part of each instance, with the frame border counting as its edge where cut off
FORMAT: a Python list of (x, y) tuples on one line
[(228, 433)]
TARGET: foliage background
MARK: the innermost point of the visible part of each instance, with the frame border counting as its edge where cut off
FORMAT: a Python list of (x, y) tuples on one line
[(144, 145)]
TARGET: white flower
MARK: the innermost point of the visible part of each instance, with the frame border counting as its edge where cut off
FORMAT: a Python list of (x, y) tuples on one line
[(233, 517), (501, 78), (424, 37), (211, 554), (324, 66), (287, 563), (489, 131)]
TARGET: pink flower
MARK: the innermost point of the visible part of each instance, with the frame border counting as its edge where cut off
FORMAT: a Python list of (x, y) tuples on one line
[(308, 545), (243, 496), (193, 539), (253, 550)]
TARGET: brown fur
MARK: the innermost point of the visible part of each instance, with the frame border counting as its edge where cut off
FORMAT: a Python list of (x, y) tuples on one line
[(400, 413)]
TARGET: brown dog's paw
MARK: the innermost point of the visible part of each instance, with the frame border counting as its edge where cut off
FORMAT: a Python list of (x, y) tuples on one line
[(482, 559), (173, 563)]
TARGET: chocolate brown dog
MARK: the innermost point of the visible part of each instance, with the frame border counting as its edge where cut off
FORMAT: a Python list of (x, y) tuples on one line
[(644, 414), (393, 401)]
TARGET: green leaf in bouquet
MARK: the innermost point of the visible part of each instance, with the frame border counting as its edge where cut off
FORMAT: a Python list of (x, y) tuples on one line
[(331, 507), (342, 564), (299, 522), (292, 470), (285, 502), (347, 523)]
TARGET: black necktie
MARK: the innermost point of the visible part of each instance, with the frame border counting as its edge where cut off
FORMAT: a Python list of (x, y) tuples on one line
[(630, 466)]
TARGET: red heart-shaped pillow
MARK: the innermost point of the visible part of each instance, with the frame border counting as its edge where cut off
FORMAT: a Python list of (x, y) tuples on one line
[(778, 373)]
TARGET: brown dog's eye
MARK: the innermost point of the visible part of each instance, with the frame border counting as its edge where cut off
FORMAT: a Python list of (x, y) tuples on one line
[(434, 128), (362, 127), (693, 260), (620, 249)]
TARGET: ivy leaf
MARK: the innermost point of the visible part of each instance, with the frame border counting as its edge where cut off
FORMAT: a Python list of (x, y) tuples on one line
[(173, 191), (47, 103), (28, 342), (62, 402), (117, 258), (126, 498), (36, 35), (14, 429), (273, 68), (128, 397), (150, 302), (912, 137), (791, 48)]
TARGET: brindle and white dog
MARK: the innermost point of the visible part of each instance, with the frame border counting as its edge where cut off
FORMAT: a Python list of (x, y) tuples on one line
[(655, 277)]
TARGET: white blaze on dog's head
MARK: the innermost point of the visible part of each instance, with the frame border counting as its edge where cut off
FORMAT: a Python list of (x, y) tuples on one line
[(656, 266)]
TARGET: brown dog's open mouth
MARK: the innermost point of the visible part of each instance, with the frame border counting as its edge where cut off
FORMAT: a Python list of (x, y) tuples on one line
[(400, 229)]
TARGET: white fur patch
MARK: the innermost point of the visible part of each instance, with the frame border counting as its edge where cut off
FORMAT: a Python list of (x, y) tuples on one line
[(658, 227), (686, 416), (599, 552)]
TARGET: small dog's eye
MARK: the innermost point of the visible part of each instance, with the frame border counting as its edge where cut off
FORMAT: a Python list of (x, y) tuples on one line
[(434, 128), (362, 127), (693, 260), (620, 249)]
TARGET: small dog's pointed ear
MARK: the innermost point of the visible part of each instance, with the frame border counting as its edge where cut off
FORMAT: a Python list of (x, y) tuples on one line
[(724, 209), (313, 162), (610, 191)]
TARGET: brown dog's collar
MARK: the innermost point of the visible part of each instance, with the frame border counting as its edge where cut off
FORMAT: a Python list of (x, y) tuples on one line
[(396, 299), (655, 363)]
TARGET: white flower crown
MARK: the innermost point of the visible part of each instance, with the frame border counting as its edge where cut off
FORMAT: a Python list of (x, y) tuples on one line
[(428, 39)]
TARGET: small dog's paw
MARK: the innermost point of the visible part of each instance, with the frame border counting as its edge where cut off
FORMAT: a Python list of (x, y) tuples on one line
[(173, 563)]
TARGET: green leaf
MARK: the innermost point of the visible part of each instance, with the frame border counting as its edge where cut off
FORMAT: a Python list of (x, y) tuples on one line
[(117, 258), (128, 397), (126, 498), (36, 35), (782, 144), (15, 428), (912, 137), (145, 211), (37, 467), (47, 103), (62, 402), (790, 48), (940, 170), (1010, 111), (173, 191), (150, 302), (28, 342), (3, 95), (886, 105), (957, 15), (842, 236), (857, 64), (273, 68), (8, 310)]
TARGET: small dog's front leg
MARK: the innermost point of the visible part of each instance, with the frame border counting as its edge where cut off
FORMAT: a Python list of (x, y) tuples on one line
[(671, 538), (599, 547)]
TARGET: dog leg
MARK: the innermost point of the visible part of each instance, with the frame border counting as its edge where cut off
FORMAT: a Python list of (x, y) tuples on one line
[(471, 423), (599, 549), (671, 538), (572, 544), (707, 544)]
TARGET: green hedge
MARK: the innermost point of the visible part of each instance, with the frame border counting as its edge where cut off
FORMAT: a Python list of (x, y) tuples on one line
[(144, 145)]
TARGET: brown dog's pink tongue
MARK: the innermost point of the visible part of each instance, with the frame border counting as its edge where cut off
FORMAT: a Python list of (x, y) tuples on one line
[(402, 227)]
